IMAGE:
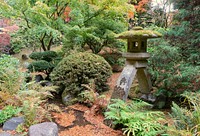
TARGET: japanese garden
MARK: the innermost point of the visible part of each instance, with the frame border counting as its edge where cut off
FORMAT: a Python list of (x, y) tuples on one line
[(99, 67)]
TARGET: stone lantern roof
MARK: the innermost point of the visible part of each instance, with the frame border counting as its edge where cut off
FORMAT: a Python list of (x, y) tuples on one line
[(138, 32)]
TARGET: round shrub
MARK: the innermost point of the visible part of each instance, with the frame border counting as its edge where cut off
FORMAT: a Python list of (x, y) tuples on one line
[(81, 68)]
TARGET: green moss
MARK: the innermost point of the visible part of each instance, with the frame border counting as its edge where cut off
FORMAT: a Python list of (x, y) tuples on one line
[(137, 28), (138, 33)]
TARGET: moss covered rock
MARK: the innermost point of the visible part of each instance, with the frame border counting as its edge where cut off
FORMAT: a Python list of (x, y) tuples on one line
[(138, 32), (81, 68)]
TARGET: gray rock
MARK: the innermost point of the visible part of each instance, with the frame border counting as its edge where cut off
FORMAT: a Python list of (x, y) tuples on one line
[(12, 123), (5, 134), (43, 129), (148, 97), (144, 97), (38, 78), (26, 64), (46, 83), (160, 101), (68, 99), (24, 57), (151, 98)]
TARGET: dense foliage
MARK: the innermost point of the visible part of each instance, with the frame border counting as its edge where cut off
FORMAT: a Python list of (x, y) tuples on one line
[(44, 61), (40, 21), (81, 68), (174, 75), (135, 118), (10, 76), (8, 112), (28, 97), (174, 64), (187, 119), (94, 24), (76, 23)]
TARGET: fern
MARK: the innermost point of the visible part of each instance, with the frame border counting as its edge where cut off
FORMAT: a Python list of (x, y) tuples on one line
[(135, 118), (187, 120)]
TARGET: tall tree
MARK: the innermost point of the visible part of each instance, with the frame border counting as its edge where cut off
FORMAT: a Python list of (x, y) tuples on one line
[(94, 23), (141, 16), (40, 22), (186, 31)]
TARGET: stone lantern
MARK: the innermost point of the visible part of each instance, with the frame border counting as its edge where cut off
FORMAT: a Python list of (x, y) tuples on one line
[(136, 62)]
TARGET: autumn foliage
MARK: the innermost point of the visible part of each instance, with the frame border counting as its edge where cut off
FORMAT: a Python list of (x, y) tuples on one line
[(66, 14), (140, 7)]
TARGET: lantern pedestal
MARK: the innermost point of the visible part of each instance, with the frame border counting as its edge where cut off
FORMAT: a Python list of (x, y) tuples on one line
[(136, 64)]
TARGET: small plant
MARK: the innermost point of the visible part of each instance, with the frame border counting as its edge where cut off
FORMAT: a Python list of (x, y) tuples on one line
[(10, 76), (8, 112), (135, 118), (187, 119), (34, 106), (93, 99)]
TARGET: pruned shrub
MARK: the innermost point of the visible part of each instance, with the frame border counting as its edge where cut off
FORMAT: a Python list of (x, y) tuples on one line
[(44, 62), (46, 55), (81, 68), (40, 66)]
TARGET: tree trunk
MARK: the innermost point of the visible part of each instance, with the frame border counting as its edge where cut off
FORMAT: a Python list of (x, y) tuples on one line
[(42, 42)]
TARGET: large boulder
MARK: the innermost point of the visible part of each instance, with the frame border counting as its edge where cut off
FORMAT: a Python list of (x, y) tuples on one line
[(43, 129)]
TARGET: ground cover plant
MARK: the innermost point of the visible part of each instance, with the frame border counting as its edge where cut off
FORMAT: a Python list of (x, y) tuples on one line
[(8, 112), (187, 118), (135, 118), (19, 98)]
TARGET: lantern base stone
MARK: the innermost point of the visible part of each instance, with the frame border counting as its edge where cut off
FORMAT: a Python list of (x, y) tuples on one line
[(124, 82)]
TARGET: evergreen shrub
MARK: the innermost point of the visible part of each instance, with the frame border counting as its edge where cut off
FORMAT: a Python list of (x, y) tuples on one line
[(46, 55), (81, 68), (44, 61), (40, 66)]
